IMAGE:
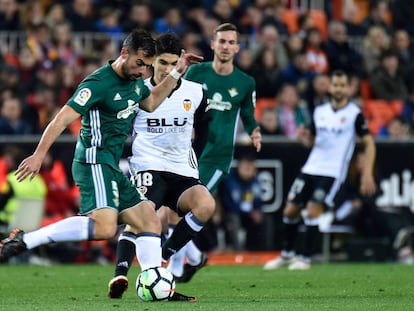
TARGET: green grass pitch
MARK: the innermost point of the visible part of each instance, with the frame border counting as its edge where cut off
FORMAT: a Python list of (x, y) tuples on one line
[(324, 287)]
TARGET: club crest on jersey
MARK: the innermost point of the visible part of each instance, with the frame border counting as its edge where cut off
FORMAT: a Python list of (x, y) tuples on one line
[(187, 104), (132, 108), (83, 96), (233, 92)]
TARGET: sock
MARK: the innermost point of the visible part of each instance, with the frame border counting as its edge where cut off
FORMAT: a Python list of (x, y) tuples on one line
[(125, 253), (148, 250), (184, 231), (76, 228), (311, 235), (193, 253), (290, 233), (176, 263)]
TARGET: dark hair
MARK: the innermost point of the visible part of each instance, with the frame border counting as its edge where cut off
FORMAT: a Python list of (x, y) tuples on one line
[(226, 27), (140, 39), (168, 43), (339, 73)]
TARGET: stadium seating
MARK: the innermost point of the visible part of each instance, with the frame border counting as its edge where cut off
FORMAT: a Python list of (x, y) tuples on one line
[(379, 112)]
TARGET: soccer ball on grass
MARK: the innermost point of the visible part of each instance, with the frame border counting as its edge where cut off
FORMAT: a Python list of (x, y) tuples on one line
[(155, 284)]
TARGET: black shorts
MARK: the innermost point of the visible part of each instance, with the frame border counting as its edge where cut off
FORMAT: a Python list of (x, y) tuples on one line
[(319, 189), (163, 188)]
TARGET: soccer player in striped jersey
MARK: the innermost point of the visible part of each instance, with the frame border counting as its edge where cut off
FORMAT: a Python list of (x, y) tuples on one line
[(107, 100), (332, 136), (163, 164)]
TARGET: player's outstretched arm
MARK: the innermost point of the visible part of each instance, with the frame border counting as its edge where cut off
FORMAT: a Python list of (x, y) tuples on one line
[(163, 89), (30, 166)]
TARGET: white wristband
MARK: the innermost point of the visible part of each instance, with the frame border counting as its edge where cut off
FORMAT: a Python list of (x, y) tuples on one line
[(175, 74)]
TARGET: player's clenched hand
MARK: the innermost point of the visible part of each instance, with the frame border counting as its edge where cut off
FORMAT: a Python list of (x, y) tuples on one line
[(186, 59), (256, 139), (29, 167), (368, 185)]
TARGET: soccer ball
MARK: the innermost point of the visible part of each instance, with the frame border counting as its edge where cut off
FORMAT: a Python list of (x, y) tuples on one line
[(155, 284)]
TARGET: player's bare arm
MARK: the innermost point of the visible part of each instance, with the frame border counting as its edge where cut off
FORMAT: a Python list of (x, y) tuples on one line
[(368, 185), (163, 89), (31, 165), (257, 139), (305, 136)]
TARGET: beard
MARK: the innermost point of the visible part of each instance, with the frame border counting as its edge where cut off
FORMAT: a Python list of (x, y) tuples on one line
[(126, 73)]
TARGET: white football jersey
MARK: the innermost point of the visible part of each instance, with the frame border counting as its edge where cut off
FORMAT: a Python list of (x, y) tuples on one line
[(335, 138), (162, 138)]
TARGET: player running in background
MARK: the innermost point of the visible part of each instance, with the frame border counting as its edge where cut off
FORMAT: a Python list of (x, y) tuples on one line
[(107, 100), (163, 163), (231, 95), (332, 137)]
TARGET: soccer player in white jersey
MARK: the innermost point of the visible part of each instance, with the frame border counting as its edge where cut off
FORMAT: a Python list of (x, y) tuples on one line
[(164, 164), (332, 136)]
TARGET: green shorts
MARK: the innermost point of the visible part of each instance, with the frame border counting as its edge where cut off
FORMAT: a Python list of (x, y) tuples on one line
[(211, 177), (102, 186)]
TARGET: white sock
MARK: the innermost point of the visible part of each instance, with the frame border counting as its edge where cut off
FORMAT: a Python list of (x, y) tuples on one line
[(76, 228), (176, 263), (148, 249), (193, 253)]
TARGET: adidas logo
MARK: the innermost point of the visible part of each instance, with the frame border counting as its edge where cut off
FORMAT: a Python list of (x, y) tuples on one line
[(117, 97)]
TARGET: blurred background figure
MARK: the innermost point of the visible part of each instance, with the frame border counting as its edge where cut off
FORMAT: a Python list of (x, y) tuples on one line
[(242, 217)]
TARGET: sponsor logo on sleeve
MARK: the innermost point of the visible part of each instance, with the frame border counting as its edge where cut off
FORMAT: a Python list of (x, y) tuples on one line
[(83, 96)]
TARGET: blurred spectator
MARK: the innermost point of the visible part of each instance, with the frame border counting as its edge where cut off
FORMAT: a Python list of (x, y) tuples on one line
[(298, 74), (64, 45), (208, 25), (171, 21), (9, 15), (272, 14), (269, 40), (402, 45), (245, 62), (375, 43), (224, 12), (266, 71), (319, 91), (350, 19), (403, 15), (396, 129), (32, 13), (27, 71), (317, 59), (195, 15), (189, 40), (39, 41), (292, 111), (9, 78), (11, 121), (386, 81), (269, 122), (305, 23), (377, 16), (55, 14), (82, 16), (139, 16), (341, 56), (294, 44), (108, 23), (240, 197)]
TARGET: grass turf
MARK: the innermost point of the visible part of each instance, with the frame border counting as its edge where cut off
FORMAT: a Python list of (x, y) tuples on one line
[(218, 288)]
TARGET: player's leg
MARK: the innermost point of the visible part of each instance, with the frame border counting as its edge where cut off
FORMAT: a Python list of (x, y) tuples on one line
[(175, 264), (291, 220), (324, 190), (98, 222), (198, 206)]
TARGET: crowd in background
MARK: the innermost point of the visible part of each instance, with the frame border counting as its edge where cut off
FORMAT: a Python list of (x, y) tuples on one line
[(289, 50)]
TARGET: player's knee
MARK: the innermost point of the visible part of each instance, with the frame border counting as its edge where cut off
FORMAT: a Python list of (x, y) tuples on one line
[(105, 231)]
